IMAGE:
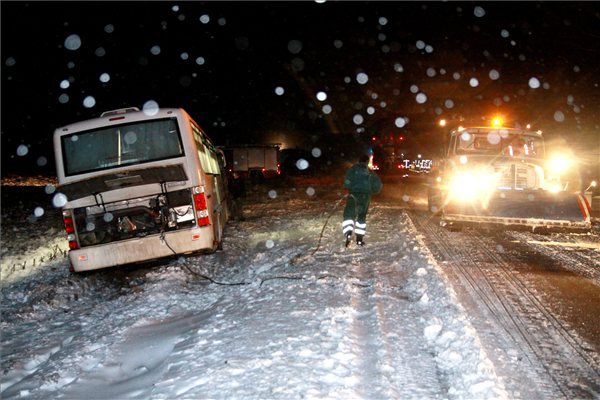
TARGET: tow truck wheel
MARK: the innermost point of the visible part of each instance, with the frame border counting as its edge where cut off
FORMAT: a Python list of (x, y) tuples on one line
[(434, 201)]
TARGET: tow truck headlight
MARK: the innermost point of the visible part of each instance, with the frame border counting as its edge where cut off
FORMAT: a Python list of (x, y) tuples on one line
[(471, 186), (554, 188), (559, 164)]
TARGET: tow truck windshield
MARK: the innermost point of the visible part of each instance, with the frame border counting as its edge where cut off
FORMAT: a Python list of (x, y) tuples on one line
[(498, 142), (121, 145)]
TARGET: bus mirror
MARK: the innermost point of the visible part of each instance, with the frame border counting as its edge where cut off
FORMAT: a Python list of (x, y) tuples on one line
[(222, 155)]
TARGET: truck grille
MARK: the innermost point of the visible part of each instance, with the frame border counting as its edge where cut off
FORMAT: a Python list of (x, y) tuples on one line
[(517, 177)]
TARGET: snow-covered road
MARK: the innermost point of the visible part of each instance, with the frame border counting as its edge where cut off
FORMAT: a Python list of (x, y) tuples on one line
[(517, 315), (377, 322)]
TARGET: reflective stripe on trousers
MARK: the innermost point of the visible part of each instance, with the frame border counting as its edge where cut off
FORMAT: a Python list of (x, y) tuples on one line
[(347, 226), (360, 229)]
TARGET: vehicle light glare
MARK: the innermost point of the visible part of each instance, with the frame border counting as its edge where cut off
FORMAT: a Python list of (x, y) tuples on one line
[(497, 121), (473, 186), (559, 164), (554, 188)]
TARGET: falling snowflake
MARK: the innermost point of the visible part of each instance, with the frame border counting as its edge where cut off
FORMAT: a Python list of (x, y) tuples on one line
[(400, 122), (73, 42), (493, 137), (272, 194), (316, 152), (358, 119), (321, 96), (150, 108), (302, 164), (104, 77), (89, 102), (294, 46), (494, 74), (279, 91), (155, 50), (200, 60), (326, 109), (559, 116), (473, 82), (479, 12), (362, 78), (59, 200), (421, 98), (22, 150), (534, 83)]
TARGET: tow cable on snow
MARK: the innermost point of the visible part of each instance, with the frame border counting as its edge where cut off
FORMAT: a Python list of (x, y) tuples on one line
[(298, 257), (293, 260)]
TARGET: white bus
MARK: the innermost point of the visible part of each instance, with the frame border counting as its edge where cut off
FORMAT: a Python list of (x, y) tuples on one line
[(139, 187)]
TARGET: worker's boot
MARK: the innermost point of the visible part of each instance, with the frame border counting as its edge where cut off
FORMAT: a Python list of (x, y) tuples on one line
[(359, 240), (348, 238)]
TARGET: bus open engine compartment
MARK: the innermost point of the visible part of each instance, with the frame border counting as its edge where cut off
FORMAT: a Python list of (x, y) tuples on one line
[(132, 218)]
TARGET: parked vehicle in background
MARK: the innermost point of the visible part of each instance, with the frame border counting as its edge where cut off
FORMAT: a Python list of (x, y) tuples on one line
[(257, 162), (496, 175), (139, 187)]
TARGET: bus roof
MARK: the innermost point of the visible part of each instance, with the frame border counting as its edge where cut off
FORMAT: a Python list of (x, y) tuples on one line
[(117, 119)]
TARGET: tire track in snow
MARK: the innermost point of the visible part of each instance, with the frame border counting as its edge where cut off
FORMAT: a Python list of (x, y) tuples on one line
[(585, 262), (389, 365), (518, 312)]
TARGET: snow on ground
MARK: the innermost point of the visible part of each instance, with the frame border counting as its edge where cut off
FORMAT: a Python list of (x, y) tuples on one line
[(374, 322)]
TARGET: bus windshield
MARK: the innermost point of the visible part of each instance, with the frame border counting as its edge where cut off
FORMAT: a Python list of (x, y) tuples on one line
[(121, 145), (497, 143)]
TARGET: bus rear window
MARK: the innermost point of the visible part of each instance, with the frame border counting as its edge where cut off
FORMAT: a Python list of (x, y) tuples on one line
[(121, 145)]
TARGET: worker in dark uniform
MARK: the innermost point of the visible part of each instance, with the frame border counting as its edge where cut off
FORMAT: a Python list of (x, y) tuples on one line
[(361, 183)]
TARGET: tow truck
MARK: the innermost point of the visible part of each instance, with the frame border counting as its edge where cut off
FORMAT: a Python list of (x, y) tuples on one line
[(496, 175)]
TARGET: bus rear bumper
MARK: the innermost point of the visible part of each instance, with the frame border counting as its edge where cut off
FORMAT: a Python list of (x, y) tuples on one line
[(142, 249)]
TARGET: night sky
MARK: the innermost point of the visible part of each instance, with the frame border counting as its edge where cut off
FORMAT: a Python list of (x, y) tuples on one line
[(536, 63)]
